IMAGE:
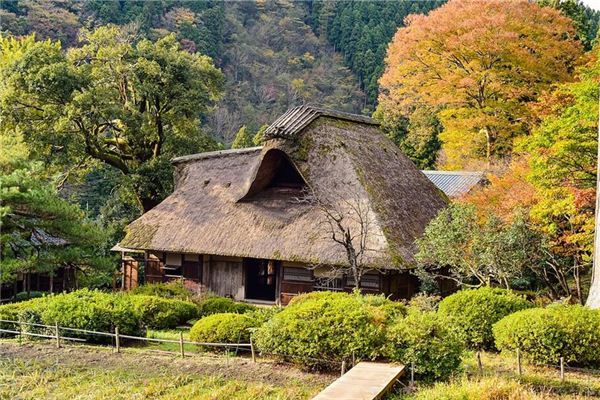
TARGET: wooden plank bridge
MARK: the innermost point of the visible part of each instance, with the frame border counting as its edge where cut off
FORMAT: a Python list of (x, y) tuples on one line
[(366, 381)]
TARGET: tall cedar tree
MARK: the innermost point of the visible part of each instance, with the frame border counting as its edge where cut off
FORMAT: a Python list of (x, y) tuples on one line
[(126, 103), (478, 65)]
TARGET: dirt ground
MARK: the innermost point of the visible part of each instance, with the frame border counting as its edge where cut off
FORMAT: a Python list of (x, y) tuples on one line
[(33, 358)]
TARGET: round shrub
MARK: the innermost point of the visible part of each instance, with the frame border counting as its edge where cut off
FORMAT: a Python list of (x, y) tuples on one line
[(91, 310), (160, 313), (318, 330), (22, 296), (474, 312), (545, 334), (219, 305), (223, 328), (426, 339), (169, 290)]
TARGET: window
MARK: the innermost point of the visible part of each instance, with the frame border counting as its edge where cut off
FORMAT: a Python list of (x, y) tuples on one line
[(368, 281), (326, 283), (297, 274)]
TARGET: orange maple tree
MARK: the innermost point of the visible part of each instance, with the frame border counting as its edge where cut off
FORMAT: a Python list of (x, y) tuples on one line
[(478, 64)]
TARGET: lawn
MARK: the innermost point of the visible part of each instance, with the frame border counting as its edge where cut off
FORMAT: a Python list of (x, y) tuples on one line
[(500, 381), (36, 371)]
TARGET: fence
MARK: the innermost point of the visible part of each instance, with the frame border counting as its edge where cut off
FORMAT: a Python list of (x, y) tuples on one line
[(561, 367), (55, 331)]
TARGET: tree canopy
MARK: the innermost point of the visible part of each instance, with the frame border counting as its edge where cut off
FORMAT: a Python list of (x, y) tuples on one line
[(131, 104), (478, 65)]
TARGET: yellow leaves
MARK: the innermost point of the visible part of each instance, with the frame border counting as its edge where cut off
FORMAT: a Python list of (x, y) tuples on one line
[(481, 62)]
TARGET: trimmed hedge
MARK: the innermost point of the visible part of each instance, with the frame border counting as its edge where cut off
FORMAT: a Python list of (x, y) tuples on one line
[(220, 305), (160, 313), (426, 339), (223, 328), (82, 309), (474, 312), (91, 310), (545, 334), (318, 329)]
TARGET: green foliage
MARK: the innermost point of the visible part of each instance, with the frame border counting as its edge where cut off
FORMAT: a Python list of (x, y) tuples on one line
[(23, 296), (169, 290), (546, 334), (82, 309), (263, 314), (474, 312), (362, 31), (41, 231), (129, 103), (215, 305), (242, 139), (480, 252), (223, 328), (161, 313), (428, 340), (424, 302), (319, 329)]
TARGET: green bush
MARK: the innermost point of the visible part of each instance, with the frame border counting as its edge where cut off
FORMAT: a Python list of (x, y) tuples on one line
[(169, 290), (219, 305), (22, 296), (545, 334), (160, 313), (426, 339), (223, 328), (263, 314), (11, 312), (474, 312), (319, 329), (91, 310)]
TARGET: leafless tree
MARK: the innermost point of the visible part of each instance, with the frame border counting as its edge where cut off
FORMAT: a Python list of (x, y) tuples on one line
[(348, 222)]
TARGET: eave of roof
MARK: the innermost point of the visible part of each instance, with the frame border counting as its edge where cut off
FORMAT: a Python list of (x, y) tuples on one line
[(214, 154), (455, 183)]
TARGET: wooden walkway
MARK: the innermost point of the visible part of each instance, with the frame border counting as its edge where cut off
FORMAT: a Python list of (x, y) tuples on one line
[(366, 381)]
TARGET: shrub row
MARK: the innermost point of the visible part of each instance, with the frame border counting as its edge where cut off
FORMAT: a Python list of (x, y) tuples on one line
[(474, 312), (546, 334)]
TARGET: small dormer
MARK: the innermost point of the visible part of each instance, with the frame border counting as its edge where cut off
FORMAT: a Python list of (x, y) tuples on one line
[(275, 174)]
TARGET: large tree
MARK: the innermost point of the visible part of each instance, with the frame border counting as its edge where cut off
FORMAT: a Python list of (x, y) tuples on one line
[(131, 104), (478, 65), (40, 231)]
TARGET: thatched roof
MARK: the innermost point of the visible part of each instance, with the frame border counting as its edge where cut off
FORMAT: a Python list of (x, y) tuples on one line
[(226, 203), (455, 183)]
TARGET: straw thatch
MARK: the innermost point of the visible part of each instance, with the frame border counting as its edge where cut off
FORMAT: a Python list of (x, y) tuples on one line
[(224, 202)]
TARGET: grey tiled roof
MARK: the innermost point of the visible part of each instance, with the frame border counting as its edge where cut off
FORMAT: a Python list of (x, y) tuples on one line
[(297, 118), (455, 183)]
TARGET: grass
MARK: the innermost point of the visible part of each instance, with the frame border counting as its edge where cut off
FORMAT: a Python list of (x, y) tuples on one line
[(501, 381), (38, 370)]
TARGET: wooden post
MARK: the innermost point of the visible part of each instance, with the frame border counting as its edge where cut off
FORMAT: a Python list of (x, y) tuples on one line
[(519, 368), (117, 340), (479, 363), (226, 355), (353, 359), (20, 333), (343, 368), (562, 369), (181, 349), (57, 335), (252, 350), (412, 374)]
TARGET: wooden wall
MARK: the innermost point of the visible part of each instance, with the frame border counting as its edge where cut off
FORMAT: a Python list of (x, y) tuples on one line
[(226, 277)]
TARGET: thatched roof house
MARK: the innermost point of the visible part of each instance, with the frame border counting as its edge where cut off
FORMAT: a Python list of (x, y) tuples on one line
[(261, 209)]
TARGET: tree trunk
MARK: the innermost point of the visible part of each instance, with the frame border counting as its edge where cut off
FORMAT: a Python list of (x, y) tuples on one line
[(593, 300)]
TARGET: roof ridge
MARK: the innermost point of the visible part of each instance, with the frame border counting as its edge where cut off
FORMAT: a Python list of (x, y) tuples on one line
[(297, 118), (435, 171), (214, 154)]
